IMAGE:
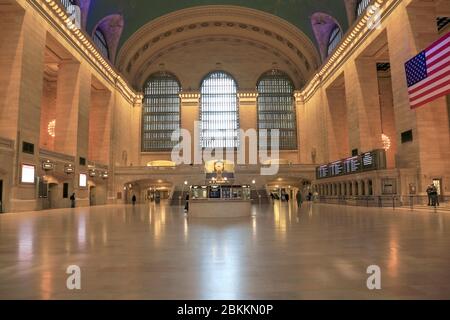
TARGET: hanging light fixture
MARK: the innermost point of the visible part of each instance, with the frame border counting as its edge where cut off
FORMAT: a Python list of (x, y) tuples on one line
[(51, 128), (386, 142)]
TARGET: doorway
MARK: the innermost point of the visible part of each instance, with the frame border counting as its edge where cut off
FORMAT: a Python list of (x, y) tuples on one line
[(52, 196), (92, 196), (438, 184), (1, 196)]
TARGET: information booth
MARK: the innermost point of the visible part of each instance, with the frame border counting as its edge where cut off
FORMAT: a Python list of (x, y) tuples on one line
[(220, 201)]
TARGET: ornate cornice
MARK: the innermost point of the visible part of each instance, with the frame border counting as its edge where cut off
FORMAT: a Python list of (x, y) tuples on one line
[(56, 15), (352, 40)]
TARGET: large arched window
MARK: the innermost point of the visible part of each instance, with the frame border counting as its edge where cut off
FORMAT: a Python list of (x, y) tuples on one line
[(160, 112), (219, 113), (101, 43), (335, 39), (361, 6), (276, 109)]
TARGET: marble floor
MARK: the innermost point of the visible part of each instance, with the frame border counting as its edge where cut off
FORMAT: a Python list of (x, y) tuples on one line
[(154, 252)]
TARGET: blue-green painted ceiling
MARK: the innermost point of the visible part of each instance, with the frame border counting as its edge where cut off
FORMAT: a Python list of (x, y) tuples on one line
[(139, 12)]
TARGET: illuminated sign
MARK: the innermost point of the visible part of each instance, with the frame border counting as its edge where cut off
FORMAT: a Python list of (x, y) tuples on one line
[(352, 165), (83, 180), (374, 160), (28, 173)]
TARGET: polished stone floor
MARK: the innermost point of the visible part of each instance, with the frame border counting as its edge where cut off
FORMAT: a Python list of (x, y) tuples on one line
[(154, 252)]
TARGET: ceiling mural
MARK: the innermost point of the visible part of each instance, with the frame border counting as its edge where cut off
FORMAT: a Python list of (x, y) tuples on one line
[(137, 13)]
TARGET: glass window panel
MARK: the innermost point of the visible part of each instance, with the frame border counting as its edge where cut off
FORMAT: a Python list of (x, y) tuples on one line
[(161, 112), (100, 43), (276, 110), (219, 114), (361, 6), (335, 39)]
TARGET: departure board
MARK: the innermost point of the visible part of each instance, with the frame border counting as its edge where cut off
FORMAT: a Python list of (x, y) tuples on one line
[(336, 168), (322, 172), (373, 160), (352, 165), (368, 161)]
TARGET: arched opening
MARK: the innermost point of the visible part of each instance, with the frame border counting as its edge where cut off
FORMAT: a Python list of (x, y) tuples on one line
[(276, 109), (361, 6), (101, 43), (219, 111), (160, 112), (335, 39)]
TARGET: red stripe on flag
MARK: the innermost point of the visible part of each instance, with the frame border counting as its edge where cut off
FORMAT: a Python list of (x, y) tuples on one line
[(426, 82), (445, 65), (430, 90), (430, 99), (430, 56), (434, 44), (442, 58)]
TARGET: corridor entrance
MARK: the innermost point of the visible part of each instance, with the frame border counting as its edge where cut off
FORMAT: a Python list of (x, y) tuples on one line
[(1, 196)]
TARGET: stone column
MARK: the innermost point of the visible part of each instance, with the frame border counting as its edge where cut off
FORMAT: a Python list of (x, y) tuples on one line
[(190, 114), (248, 119), (21, 84), (363, 105), (430, 148)]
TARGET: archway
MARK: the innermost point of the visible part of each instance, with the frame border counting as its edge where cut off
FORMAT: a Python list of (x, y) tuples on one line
[(212, 33)]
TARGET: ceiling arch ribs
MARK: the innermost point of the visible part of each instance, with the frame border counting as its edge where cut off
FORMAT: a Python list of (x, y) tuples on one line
[(234, 22)]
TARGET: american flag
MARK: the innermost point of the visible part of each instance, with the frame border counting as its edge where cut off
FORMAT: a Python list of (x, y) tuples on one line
[(428, 73)]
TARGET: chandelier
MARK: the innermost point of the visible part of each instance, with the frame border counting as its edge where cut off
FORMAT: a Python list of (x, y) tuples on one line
[(51, 128), (386, 142)]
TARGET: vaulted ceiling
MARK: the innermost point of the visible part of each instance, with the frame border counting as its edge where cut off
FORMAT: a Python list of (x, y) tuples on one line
[(137, 13)]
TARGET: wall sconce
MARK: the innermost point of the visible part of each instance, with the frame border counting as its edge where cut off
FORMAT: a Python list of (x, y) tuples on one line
[(48, 165), (68, 168)]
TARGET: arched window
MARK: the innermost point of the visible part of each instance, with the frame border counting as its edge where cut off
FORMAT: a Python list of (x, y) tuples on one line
[(276, 109), (68, 3), (100, 43), (160, 112), (361, 6), (219, 113), (335, 39)]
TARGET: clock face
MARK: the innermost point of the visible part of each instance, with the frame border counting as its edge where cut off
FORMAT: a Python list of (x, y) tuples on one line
[(219, 166)]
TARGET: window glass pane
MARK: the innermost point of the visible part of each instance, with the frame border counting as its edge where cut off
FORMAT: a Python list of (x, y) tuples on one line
[(335, 39), (219, 114), (361, 6), (276, 110), (100, 43), (160, 112)]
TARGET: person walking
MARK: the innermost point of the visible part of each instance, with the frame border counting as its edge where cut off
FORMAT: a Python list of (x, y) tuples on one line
[(133, 199), (72, 200), (186, 205), (429, 190), (299, 198)]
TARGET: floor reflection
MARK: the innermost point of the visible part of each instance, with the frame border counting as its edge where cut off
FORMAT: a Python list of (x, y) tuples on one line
[(281, 252)]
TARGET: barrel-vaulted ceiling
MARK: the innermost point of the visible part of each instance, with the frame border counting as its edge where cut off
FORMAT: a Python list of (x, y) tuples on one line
[(137, 13)]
